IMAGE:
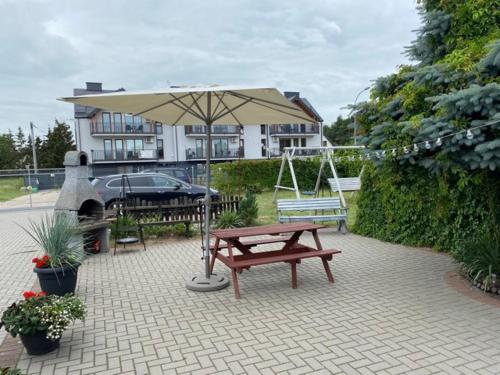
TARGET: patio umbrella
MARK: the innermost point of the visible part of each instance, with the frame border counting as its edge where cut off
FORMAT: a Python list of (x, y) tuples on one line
[(221, 105)]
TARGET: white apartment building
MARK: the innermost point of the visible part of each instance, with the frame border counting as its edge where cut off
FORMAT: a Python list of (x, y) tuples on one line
[(121, 142)]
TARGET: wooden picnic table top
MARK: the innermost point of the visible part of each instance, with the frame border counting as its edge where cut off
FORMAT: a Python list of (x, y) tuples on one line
[(272, 229)]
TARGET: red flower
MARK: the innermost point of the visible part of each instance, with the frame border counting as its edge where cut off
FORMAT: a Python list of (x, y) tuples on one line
[(45, 258), (42, 294), (34, 260), (29, 294)]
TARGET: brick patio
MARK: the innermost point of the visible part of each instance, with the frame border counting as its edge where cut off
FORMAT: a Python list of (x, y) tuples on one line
[(390, 311)]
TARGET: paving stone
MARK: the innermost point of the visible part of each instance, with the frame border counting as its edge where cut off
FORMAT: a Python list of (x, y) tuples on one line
[(390, 311)]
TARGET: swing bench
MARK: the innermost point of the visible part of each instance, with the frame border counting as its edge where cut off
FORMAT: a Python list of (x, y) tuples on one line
[(315, 209), (333, 206)]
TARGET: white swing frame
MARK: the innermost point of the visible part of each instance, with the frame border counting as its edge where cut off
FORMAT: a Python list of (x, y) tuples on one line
[(326, 154)]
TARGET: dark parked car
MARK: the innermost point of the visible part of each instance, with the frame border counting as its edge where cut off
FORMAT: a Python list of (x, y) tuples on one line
[(178, 173), (149, 186)]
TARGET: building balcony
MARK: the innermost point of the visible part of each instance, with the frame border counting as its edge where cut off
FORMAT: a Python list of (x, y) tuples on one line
[(98, 128), (200, 130), (293, 129), (99, 156), (232, 153)]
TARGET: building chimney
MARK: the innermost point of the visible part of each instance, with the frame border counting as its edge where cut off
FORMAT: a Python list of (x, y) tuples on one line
[(94, 86)]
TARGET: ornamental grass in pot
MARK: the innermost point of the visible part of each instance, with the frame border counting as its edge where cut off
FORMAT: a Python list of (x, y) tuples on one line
[(63, 249), (40, 320)]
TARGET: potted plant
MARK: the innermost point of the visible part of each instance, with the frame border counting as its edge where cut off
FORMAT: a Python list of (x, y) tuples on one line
[(40, 320), (63, 249)]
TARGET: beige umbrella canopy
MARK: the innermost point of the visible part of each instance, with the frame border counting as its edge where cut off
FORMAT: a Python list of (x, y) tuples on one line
[(221, 105)]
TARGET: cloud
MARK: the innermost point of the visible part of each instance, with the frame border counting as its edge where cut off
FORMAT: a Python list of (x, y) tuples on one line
[(327, 50)]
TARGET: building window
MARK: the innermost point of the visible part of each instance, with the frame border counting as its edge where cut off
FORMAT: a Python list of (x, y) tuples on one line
[(108, 149), (158, 128), (128, 123), (159, 146), (106, 122), (117, 122), (303, 142), (263, 147), (263, 129), (119, 149)]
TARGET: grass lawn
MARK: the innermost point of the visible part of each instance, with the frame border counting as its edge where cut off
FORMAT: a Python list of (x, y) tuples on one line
[(10, 188), (267, 208)]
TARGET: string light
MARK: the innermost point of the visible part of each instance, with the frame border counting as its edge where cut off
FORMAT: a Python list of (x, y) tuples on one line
[(427, 144)]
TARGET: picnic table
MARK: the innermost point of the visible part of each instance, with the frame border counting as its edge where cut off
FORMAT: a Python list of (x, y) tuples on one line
[(291, 250)]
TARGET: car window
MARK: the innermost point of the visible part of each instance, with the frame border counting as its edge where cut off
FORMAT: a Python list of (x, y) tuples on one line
[(161, 181), (180, 174), (141, 181), (115, 183)]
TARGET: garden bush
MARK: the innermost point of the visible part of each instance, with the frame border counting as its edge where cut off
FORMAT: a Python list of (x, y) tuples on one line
[(258, 175), (449, 192)]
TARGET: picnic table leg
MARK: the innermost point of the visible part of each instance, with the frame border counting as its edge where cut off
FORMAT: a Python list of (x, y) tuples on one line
[(235, 283), (294, 274), (327, 270), (214, 254)]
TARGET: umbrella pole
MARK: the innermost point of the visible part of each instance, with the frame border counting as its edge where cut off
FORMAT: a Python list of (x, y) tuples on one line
[(207, 282), (207, 203)]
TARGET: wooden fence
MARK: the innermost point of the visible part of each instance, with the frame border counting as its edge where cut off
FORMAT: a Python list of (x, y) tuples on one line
[(175, 211)]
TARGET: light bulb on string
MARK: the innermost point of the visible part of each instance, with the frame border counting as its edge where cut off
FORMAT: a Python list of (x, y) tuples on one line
[(383, 154), (360, 157), (439, 142), (367, 156), (405, 150), (427, 145), (393, 152), (469, 134), (415, 147)]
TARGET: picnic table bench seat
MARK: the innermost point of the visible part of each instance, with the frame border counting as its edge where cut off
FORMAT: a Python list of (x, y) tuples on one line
[(333, 206)]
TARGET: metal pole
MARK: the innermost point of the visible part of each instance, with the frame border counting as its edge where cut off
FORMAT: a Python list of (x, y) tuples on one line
[(355, 101), (29, 185), (207, 194), (33, 148)]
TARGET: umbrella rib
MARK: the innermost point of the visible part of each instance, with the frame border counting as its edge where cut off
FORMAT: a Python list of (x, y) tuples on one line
[(228, 111), (243, 96), (218, 104), (161, 105), (196, 103), (286, 113), (183, 113), (188, 110)]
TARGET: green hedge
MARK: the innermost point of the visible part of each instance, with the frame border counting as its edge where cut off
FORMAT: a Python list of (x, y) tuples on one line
[(413, 207), (263, 174)]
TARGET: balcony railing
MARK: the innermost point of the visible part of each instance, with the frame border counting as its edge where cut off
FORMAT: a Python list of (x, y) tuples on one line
[(216, 129), (275, 152), (113, 155), (192, 154), (294, 129), (113, 128)]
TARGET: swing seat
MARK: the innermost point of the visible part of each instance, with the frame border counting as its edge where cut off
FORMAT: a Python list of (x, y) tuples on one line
[(345, 183), (325, 209)]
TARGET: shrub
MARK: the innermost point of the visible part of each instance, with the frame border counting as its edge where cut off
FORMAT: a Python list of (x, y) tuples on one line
[(229, 220), (249, 210), (479, 257)]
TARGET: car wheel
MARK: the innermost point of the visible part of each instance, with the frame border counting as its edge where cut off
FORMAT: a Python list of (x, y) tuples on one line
[(111, 205)]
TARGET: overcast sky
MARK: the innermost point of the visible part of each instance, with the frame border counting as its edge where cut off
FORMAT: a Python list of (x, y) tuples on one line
[(328, 50)]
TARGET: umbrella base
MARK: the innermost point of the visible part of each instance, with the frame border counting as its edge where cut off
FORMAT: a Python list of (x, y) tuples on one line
[(199, 283)]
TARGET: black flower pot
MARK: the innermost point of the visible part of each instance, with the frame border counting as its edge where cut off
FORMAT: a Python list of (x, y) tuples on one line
[(58, 281), (38, 343)]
